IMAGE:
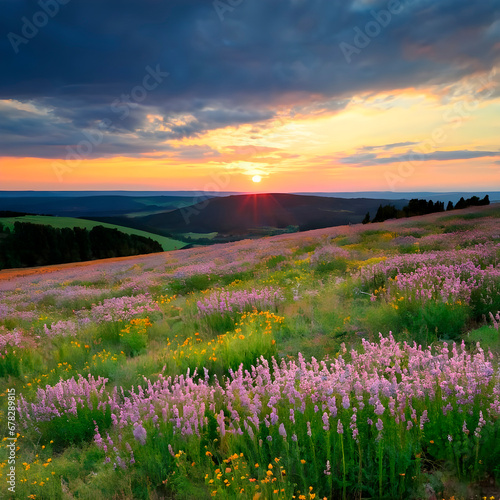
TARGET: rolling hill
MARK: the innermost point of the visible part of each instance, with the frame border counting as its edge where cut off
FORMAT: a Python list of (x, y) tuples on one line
[(247, 214), (86, 206)]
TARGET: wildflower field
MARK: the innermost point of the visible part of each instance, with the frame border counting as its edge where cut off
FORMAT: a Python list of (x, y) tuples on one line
[(349, 362)]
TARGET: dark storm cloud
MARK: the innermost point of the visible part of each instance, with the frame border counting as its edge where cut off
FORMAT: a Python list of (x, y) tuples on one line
[(214, 119), (264, 53)]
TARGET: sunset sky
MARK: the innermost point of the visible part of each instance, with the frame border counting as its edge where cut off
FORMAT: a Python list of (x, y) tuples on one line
[(308, 95)]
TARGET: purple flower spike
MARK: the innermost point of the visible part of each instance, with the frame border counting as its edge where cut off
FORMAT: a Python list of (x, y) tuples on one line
[(140, 434)]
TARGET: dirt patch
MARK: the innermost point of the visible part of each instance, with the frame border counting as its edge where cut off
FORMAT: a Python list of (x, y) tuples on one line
[(8, 274)]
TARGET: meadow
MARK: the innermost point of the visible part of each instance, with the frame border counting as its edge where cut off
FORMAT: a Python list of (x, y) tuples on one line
[(71, 222), (349, 362)]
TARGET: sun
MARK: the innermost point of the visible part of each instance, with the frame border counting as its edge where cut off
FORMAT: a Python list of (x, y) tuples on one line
[(256, 178)]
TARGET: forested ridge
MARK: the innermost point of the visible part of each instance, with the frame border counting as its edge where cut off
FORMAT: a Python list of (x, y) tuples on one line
[(423, 207)]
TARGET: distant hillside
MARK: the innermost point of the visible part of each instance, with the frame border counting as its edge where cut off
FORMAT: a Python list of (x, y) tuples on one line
[(247, 214), (427, 195), (85, 206)]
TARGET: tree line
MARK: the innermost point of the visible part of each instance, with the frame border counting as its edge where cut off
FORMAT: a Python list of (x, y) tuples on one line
[(40, 245), (423, 207)]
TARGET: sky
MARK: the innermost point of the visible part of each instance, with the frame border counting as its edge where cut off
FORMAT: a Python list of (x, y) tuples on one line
[(300, 95)]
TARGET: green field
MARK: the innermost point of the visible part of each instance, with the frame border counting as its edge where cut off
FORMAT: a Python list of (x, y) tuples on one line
[(199, 236), (60, 222)]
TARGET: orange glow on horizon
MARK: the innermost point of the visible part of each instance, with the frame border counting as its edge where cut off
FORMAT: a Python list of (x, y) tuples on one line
[(306, 153), (149, 175)]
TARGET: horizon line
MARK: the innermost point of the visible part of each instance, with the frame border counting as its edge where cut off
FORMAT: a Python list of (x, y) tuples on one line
[(232, 192)]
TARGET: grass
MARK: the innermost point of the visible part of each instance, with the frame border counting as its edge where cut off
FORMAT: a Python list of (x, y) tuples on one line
[(197, 236), (61, 222), (329, 317), (487, 336)]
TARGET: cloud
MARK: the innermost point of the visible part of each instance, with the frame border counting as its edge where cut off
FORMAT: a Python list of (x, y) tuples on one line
[(370, 159), (458, 155), (265, 54), (48, 132), (388, 147)]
